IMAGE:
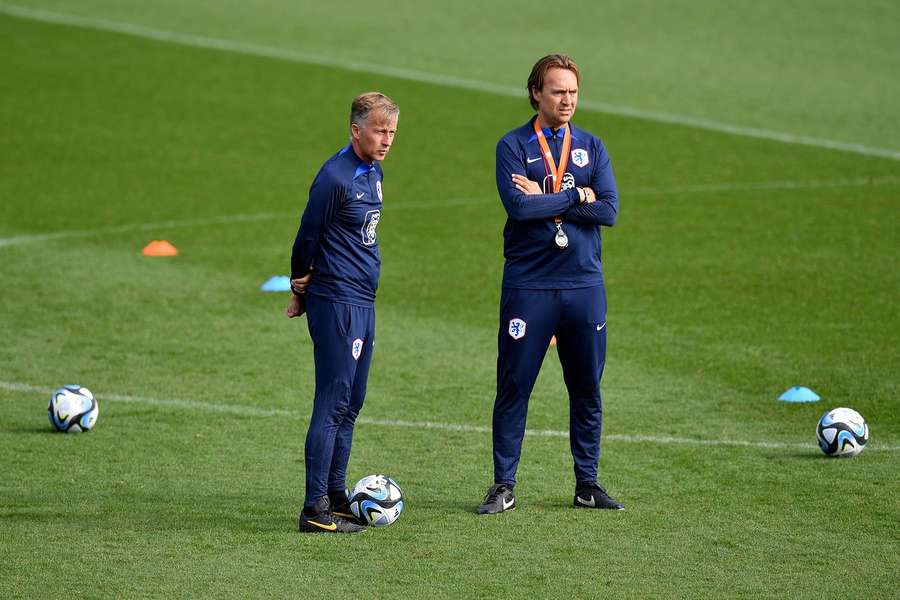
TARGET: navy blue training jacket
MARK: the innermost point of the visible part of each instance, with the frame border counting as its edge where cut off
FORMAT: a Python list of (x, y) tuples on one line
[(533, 261), (337, 236)]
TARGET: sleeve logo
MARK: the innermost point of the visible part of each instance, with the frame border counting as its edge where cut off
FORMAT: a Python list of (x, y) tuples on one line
[(378, 189), (568, 182), (368, 229), (517, 328), (580, 157)]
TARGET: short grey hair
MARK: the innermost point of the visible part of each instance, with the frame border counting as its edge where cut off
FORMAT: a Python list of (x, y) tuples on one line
[(364, 104)]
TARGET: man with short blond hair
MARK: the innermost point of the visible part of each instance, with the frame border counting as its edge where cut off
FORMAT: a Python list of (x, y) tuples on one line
[(557, 186), (334, 276)]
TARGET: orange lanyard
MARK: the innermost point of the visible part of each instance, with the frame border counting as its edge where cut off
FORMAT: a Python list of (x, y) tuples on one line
[(549, 163)]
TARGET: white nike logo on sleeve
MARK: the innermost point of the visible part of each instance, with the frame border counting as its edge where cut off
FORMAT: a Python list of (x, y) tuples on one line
[(531, 160), (360, 195)]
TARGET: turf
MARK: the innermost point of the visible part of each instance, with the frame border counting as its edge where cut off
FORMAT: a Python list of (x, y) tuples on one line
[(821, 68), (739, 267)]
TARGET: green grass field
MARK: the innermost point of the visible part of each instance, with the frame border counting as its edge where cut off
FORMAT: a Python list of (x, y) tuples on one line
[(740, 266)]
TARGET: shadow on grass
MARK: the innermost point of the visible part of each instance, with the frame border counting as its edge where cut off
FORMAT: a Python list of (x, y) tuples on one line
[(468, 506), (803, 454), (123, 507), (31, 430)]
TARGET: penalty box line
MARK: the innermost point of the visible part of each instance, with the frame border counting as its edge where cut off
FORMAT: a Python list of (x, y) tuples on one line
[(242, 410)]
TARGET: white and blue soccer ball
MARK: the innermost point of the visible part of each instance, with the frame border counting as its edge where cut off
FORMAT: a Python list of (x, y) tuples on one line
[(842, 432), (376, 500), (73, 409)]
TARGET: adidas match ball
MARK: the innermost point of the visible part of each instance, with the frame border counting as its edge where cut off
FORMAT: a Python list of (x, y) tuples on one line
[(376, 500), (73, 409), (842, 432)]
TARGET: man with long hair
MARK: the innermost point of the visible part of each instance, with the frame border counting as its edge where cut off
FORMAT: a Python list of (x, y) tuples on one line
[(557, 186)]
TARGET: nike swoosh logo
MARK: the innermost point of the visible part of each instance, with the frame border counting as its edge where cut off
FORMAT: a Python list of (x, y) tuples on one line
[(599, 327), (506, 504), (329, 527), (581, 500), (358, 196), (531, 160)]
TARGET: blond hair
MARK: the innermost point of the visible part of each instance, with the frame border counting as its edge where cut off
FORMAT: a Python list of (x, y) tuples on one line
[(364, 104)]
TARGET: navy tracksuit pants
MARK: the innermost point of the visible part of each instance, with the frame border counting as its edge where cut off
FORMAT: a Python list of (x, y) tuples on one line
[(343, 336), (528, 319)]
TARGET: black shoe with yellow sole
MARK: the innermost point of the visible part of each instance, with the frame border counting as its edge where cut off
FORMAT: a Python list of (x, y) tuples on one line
[(318, 518)]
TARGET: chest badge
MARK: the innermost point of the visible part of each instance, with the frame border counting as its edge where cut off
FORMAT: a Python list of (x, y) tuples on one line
[(378, 189), (568, 183), (370, 223), (580, 157)]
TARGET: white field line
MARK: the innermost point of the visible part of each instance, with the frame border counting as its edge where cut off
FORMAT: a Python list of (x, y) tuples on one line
[(252, 411), (275, 216), (298, 56)]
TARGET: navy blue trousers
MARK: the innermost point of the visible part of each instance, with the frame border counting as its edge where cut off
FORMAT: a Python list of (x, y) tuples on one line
[(343, 336), (528, 319)]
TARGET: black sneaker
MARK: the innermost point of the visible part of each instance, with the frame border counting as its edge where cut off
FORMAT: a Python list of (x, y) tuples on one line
[(592, 495), (499, 498), (319, 519), (343, 511)]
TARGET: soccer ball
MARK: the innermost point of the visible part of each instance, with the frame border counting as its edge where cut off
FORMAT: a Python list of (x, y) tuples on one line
[(842, 432), (377, 500), (73, 409)]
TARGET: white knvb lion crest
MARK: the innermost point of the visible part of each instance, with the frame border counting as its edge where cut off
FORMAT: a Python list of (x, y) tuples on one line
[(580, 157), (517, 328), (356, 348)]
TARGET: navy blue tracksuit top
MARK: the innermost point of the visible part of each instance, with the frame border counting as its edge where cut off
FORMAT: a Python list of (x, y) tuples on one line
[(337, 236), (532, 259)]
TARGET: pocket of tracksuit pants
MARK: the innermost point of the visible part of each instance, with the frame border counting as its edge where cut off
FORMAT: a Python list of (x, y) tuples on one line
[(343, 318)]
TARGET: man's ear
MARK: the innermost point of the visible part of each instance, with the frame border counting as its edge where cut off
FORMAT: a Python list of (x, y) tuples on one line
[(354, 131)]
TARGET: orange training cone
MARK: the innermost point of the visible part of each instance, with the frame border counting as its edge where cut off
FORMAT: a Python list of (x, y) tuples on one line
[(160, 248), (553, 341)]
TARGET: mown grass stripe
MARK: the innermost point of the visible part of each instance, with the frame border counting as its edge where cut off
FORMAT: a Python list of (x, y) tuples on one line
[(707, 188), (253, 411), (226, 45)]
